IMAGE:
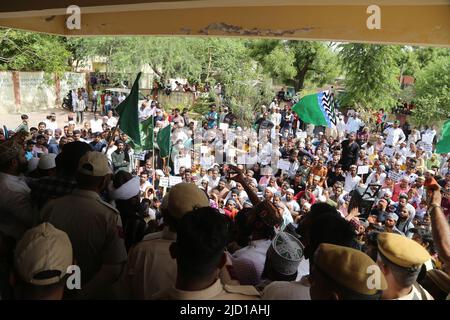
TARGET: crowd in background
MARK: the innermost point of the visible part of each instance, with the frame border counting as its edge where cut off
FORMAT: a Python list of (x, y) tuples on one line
[(272, 231)]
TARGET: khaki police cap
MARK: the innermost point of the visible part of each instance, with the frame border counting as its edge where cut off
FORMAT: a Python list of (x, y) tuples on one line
[(43, 248), (402, 251), (95, 164), (349, 267), (185, 197)]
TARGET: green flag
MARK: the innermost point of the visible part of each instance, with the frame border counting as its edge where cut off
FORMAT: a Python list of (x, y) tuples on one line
[(147, 136), (316, 109), (443, 146), (163, 140), (129, 114)]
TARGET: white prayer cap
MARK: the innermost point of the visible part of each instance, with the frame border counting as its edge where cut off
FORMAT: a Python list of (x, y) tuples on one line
[(47, 161)]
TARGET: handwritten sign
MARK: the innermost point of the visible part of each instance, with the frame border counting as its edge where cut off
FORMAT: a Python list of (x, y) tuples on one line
[(363, 169), (388, 151), (174, 180), (164, 182), (140, 155), (283, 164)]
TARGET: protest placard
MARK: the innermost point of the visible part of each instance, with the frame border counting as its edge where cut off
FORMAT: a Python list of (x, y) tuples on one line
[(174, 180), (302, 135), (363, 169), (140, 155), (223, 126), (164, 181)]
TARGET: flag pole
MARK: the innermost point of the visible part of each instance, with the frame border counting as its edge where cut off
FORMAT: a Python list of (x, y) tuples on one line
[(153, 150), (113, 134)]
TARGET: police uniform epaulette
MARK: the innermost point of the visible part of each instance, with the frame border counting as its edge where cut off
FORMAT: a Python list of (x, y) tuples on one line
[(245, 290)]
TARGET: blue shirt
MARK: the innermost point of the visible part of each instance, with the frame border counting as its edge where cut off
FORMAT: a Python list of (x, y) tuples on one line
[(28, 155), (97, 146), (212, 119), (53, 148)]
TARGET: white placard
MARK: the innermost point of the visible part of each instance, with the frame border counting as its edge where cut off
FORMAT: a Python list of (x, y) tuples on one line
[(204, 149), (223, 126), (363, 169), (302, 135), (396, 176), (231, 152), (174, 180), (164, 182), (283, 164), (388, 151), (140, 155)]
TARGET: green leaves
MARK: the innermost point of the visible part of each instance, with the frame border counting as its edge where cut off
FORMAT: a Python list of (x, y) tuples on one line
[(27, 51), (297, 63), (432, 92), (370, 75)]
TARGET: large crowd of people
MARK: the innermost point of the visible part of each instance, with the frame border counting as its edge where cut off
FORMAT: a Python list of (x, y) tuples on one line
[(272, 211)]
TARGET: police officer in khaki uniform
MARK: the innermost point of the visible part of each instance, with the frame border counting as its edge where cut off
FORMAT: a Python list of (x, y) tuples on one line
[(150, 267), (400, 260), (92, 226), (342, 273), (202, 236)]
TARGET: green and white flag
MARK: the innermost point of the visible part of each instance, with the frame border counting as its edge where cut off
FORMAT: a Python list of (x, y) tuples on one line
[(317, 109), (443, 146)]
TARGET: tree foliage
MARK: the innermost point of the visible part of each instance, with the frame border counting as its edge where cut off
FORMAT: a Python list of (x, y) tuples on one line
[(297, 63), (370, 73), (27, 51), (432, 92)]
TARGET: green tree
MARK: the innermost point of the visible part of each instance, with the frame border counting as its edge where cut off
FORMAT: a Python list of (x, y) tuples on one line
[(371, 73), (27, 51), (432, 92), (297, 63)]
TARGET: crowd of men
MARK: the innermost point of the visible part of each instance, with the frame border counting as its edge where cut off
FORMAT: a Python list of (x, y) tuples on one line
[(232, 224)]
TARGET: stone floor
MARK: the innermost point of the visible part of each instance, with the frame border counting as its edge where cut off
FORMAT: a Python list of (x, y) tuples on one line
[(12, 121)]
